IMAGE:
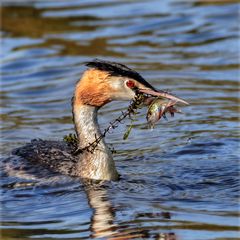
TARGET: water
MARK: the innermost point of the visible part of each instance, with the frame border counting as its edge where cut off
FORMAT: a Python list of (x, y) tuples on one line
[(179, 180)]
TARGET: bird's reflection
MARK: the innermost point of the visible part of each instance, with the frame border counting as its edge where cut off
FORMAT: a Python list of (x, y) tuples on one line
[(102, 221), (104, 224)]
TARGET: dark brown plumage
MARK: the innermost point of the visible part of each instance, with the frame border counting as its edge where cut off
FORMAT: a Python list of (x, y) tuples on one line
[(55, 155)]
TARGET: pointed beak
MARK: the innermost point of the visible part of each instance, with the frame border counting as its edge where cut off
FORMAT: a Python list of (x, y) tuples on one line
[(163, 94)]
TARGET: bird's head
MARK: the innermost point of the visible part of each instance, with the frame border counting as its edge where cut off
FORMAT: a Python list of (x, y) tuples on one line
[(106, 81)]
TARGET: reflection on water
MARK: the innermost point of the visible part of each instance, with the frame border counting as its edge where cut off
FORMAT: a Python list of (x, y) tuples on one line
[(103, 222), (179, 181)]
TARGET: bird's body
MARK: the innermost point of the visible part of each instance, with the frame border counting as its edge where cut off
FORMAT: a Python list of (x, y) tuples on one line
[(55, 155), (59, 156), (99, 85)]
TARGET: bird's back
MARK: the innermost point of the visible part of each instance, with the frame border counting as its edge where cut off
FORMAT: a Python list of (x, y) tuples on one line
[(55, 155)]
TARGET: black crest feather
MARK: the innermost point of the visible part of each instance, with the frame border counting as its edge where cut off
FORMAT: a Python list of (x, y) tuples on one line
[(117, 69)]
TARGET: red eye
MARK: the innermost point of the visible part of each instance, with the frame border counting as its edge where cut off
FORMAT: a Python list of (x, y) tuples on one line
[(130, 84)]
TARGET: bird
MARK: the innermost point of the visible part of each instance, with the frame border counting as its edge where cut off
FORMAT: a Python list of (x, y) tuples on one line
[(101, 83)]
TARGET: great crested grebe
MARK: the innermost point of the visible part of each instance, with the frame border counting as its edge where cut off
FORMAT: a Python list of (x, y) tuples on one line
[(102, 83)]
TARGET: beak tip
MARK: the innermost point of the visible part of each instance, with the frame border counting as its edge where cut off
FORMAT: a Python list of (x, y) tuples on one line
[(186, 103), (163, 94)]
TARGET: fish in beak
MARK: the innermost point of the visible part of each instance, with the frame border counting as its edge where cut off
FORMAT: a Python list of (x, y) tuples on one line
[(125, 84), (159, 103)]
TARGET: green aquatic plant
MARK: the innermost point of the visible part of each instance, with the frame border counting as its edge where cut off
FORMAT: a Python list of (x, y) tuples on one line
[(71, 139), (138, 105), (126, 134)]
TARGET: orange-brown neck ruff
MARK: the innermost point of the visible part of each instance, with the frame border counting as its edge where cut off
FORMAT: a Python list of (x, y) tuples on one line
[(93, 89)]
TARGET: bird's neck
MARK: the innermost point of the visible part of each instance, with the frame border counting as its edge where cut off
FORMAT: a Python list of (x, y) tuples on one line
[(98, 164), (86, 125)]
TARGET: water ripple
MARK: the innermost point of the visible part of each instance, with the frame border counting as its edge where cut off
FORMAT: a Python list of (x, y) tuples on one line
[(179, 181)]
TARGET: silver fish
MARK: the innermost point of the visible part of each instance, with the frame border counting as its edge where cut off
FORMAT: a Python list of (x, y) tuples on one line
[(158, 108)]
